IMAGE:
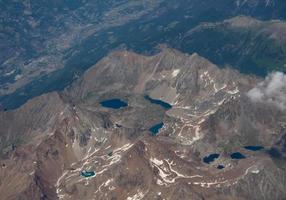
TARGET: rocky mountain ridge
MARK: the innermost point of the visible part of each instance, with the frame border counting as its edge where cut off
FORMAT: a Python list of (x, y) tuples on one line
[(63, 134)]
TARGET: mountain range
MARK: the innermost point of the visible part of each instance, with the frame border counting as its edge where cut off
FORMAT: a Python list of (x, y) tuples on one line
[(51, 139), (44, 47), (135, 100)]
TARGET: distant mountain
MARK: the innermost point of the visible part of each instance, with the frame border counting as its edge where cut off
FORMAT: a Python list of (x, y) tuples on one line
[(250, 45), (66, 145), (45, 46)]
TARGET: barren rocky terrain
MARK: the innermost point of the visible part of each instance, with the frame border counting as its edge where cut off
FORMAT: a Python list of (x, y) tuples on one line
[(51, 140), (142, 100)]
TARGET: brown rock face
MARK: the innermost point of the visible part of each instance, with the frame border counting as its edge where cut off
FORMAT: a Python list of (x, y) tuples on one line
[(51, 146)]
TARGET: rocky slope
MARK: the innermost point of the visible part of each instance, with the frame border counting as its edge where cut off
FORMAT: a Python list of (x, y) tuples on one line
[(48, 143)]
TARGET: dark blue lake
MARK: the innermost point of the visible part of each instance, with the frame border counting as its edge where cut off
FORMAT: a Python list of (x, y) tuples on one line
[(220, 166), (274, 153), (210, 158), (156, 128), (88, 173), (158, 102), (113, 103), (237, 156), (118, 125), (254, 148)]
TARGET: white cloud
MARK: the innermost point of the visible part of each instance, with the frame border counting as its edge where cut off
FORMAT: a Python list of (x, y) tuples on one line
[(272, 90)]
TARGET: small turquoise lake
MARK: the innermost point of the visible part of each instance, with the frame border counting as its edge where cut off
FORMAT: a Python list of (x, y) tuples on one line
[(88, 174), (156, 128), (113, 103)]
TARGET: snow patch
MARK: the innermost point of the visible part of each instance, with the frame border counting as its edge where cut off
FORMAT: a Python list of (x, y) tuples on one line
[(138, 196), (232, 92), (156, 161), (175, 72), (9, 73)]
